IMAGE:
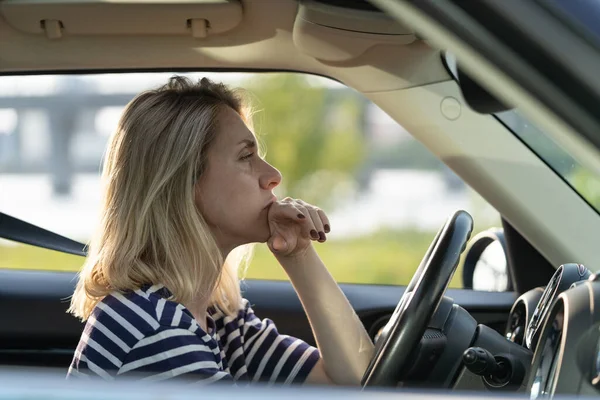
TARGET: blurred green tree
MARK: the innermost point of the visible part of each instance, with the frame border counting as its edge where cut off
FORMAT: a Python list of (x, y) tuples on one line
[(313, 134), (587, 184)]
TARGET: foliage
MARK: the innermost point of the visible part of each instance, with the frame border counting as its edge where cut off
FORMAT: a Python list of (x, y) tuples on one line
[(385, 258), (587, 184), (306, 129)]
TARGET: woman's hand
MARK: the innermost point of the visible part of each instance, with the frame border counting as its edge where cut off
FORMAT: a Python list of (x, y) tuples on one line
[(294, 224)]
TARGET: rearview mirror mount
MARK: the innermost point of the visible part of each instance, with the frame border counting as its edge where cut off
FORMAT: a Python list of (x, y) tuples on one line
[(476, 97)]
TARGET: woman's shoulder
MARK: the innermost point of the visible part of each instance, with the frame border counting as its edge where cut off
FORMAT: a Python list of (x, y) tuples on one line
[(134, 311)]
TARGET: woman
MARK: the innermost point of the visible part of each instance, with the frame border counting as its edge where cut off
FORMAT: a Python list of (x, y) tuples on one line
[(185, 191)]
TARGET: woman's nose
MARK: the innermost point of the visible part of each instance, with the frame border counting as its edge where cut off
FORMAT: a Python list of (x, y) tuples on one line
[(270, 178)]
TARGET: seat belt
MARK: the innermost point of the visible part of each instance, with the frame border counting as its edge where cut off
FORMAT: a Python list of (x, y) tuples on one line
[(14, 229)]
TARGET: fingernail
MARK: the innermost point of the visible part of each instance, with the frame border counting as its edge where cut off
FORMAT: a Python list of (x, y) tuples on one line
[(321, 237), (301, 216), (314, 234), (327, 229)]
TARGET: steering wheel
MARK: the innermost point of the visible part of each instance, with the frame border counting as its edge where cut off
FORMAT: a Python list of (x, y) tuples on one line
[(418, 303)]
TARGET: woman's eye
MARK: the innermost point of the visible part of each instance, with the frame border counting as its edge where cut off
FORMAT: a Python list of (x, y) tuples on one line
[(247, 156)]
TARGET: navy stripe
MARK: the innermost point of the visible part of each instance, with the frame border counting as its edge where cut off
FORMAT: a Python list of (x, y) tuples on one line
[(179, 361), (168, 313), (259, 353), (101, 361), (130, 315), (203, 361), (238, 363), (108, 344), (170, 343), (115, 327), (275, 357), (307, 367), (291, 362)]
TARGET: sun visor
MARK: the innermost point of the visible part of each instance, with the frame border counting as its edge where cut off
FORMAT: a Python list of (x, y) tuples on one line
[(58, 18), (335, 33)]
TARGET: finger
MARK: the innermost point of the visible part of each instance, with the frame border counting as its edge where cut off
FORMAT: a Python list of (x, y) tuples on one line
[(309, 228), (316, 217), (324, 220), (289, 210), (316, 220)]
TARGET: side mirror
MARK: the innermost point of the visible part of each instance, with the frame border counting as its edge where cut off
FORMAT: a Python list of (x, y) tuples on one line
[(485, 266)]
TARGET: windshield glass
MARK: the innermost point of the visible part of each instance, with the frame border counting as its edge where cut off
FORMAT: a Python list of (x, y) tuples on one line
[(583, 180)]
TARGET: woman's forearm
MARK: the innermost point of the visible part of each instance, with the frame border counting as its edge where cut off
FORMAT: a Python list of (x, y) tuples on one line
[(346, 348)]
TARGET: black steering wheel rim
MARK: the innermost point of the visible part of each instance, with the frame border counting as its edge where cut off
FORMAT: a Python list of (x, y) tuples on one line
[(418, 303)]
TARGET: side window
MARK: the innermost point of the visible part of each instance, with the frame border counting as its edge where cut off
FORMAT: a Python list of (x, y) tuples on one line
[(385, 194)]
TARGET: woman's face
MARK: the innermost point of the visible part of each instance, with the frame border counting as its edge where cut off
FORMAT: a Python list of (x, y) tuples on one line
[(236, 190)]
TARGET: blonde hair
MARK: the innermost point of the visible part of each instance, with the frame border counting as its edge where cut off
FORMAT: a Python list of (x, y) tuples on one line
[(151, 231)]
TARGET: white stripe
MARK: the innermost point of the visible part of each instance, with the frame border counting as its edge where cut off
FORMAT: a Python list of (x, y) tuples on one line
[(96, 369), (226, 321), (165, 355), (124, 323), (77, 354), (199, 365), (216, 377), (116, 340), (299, 365), (98, 347), (161, 336), (231, 337), (266, 358), (160, 306), (74, 372), (253, 323), (282, 360), (243, 370), (206, 338), (155, 288), (177, 315), (238, 352), (138, 310), (263, 335), (143, 294), (216, 350), (193, 326)]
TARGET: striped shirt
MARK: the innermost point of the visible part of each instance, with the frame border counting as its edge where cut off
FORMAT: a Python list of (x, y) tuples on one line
[(143, 334)]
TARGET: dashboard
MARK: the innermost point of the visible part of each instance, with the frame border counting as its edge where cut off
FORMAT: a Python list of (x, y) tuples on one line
[(560, 324)]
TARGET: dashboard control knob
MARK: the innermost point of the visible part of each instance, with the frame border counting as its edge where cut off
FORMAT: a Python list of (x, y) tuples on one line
[(480, 361), (502, 371)]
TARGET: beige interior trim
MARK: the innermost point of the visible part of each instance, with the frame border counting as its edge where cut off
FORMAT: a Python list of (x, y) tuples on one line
[(495, 81), (500, 168), (118, 17)]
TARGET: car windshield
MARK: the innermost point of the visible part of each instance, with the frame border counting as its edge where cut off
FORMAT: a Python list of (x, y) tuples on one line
[(583, 180)]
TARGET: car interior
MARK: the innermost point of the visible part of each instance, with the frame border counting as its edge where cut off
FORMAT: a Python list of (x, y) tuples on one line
[(538, 337)]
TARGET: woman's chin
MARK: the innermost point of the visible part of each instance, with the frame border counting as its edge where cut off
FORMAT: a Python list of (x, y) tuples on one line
[(264, 237), (264, 232)]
